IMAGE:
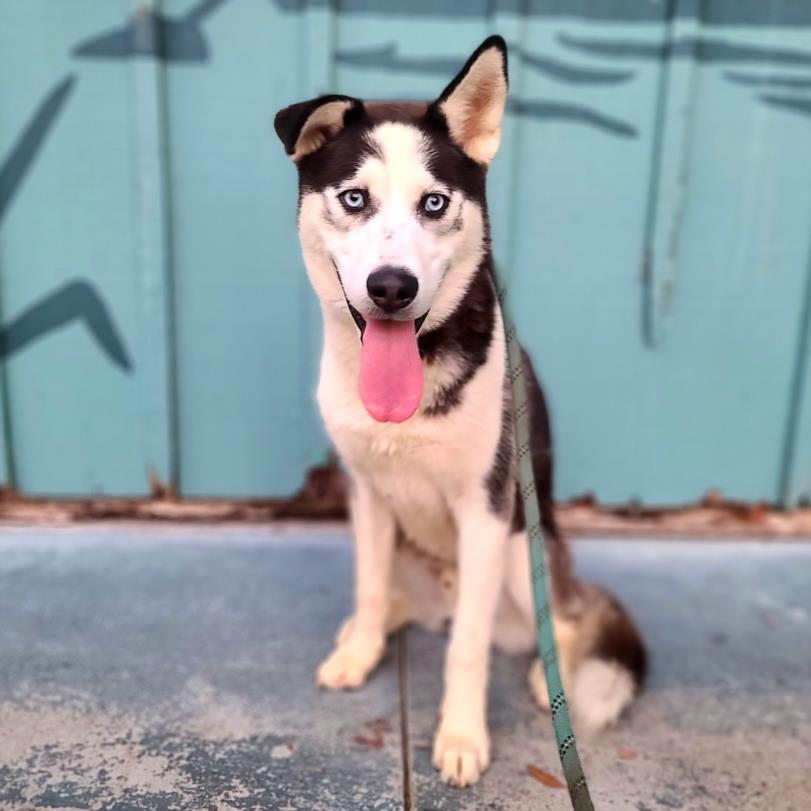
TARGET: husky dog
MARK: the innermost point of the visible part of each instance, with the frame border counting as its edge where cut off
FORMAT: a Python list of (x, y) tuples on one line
[(413, 389)]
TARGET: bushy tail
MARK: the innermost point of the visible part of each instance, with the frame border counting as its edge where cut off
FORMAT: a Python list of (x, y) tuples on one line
[(603, 659)]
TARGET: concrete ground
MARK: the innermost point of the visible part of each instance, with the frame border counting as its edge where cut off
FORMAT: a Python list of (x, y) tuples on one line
[(146, 667)]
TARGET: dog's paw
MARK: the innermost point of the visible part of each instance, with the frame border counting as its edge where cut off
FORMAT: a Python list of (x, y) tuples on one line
[(461, 753), (350, 663)]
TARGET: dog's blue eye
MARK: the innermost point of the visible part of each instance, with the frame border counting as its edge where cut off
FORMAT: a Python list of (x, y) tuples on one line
[(434, 204), (353, 199)]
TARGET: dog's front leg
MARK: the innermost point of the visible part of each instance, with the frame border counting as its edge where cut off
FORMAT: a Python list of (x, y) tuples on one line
[(362, 638), (462, 743)]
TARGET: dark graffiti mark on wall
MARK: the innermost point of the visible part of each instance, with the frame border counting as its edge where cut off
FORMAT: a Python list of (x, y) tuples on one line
[(152, 34), (711, 51), (739, 12), (572, 113), (795, 104), (753, 80), (704, 49), (575, 74), (76, 301), (28, 144), (386, 58)]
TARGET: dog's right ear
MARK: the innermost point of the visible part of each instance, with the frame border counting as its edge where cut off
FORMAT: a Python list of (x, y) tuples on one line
[(308, 125), (472, 105)]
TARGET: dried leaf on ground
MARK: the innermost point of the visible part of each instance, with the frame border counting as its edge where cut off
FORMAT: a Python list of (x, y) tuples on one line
[(549, 780), (366, 742)]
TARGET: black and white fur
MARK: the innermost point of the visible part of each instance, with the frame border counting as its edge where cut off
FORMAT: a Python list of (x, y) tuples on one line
[(439, 531)]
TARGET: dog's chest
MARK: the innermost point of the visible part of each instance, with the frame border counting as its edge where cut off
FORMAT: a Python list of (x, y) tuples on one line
[(426, 466), (418, 468)]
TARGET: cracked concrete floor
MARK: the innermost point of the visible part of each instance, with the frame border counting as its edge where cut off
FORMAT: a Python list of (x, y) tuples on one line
[(171, 667)]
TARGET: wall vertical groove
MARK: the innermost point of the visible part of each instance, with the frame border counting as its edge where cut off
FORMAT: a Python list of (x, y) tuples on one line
[(9, 464), (156, 364), (798, 417), (654, 188)]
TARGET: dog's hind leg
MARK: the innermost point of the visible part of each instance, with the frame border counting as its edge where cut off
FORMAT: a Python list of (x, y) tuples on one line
[(423, 590), (521, 630), (600, 652)]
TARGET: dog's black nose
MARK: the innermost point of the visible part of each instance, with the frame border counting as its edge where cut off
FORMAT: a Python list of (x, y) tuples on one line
[(392, 288)]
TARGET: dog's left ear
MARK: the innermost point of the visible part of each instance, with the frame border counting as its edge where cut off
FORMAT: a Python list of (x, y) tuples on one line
[(473, 103), (307, 126)]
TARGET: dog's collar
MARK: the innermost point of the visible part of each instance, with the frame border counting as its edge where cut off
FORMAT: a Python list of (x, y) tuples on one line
[(359, 320)]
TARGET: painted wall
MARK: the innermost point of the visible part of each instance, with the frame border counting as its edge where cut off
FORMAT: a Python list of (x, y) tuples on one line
[(652, 200)]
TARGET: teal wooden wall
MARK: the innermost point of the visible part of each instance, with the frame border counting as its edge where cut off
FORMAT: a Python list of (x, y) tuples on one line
[(652, 199)]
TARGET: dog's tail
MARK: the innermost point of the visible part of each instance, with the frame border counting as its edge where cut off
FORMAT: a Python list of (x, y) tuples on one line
[(602, 657)]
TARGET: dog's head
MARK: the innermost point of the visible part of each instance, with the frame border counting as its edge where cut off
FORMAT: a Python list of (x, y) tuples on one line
[(392, 213)]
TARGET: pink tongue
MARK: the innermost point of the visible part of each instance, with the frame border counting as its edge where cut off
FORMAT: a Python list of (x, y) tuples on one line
[(390, 382)]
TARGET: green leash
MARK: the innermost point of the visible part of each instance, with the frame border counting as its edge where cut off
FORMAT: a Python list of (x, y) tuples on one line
[(567, 747)]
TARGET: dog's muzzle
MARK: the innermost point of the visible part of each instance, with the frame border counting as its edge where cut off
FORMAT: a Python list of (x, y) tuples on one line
[(359, 319)]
